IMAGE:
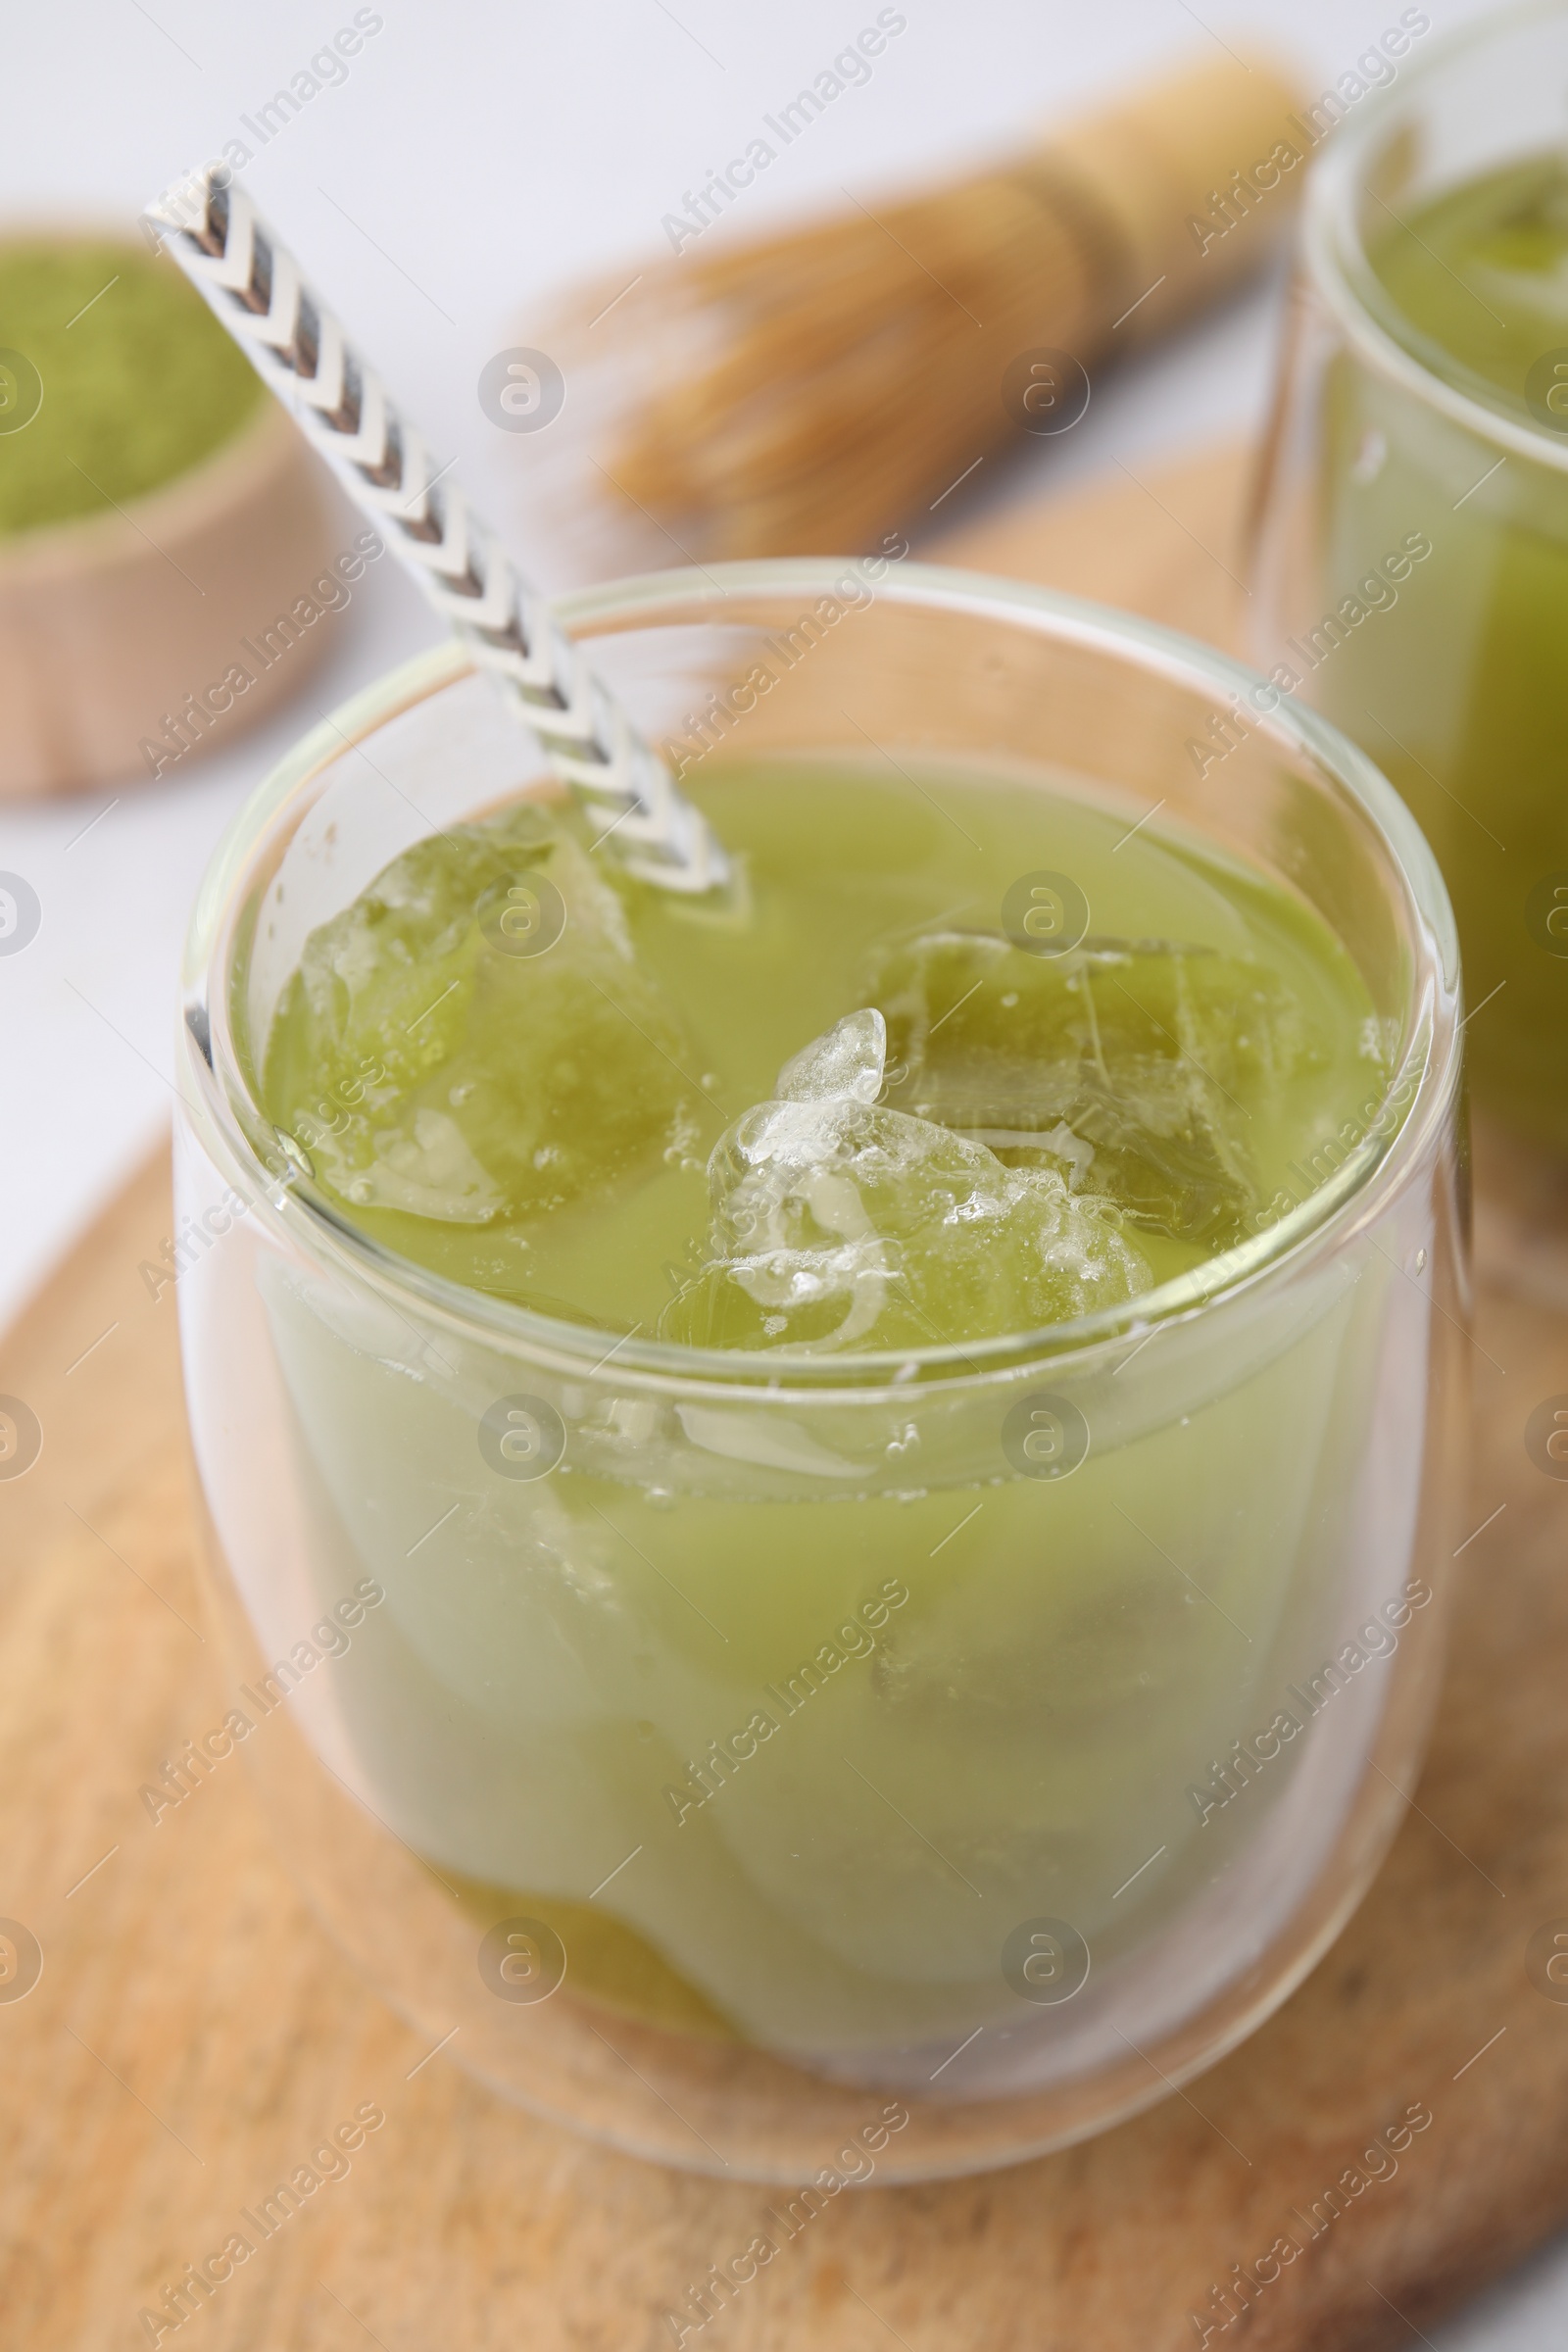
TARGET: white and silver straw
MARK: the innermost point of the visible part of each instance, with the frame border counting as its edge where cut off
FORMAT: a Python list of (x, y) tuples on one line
[(252, 285)]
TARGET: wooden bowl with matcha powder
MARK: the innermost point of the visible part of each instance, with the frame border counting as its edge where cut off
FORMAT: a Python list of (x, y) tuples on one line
[(171, 555)]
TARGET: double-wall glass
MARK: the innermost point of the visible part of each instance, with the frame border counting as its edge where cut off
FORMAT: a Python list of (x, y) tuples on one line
[(1026, 1839)]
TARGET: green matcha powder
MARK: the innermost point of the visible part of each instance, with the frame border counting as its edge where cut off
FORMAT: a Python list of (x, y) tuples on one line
[(138, 381)]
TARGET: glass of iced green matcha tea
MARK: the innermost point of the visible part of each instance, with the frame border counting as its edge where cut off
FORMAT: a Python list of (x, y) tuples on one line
[(827, 1497), (1412, 570)]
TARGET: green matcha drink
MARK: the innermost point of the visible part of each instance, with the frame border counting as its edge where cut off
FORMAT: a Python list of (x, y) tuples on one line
[(848, 1112), (1432, 456), (513, 1065), (882, 1432)]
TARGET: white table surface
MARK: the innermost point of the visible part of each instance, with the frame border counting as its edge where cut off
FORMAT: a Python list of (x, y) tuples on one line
[(491, 152)]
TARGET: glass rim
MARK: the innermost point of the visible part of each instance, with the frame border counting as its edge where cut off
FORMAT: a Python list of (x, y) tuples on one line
[(1333, 255), (1320, 1225)]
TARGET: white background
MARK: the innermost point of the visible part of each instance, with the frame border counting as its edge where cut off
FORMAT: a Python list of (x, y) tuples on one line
[(476, 156)]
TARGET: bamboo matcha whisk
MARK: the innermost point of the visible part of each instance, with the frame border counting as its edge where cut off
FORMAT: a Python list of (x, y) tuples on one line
[(810, 390)]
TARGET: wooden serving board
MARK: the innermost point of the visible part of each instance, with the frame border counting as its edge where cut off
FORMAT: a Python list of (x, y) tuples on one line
[(193, 2038)]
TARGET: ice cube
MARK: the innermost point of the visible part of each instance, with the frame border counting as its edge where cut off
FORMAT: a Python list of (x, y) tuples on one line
[(1139, 1067), (836, 1222), (472, 1040), (848, 1064)]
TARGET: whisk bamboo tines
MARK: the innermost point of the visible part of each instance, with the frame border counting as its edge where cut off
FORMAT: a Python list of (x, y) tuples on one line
[(812, 388), (254, 286)]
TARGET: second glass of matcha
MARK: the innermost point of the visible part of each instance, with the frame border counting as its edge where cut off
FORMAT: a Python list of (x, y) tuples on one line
[(1413, 557), (826, 1498)]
